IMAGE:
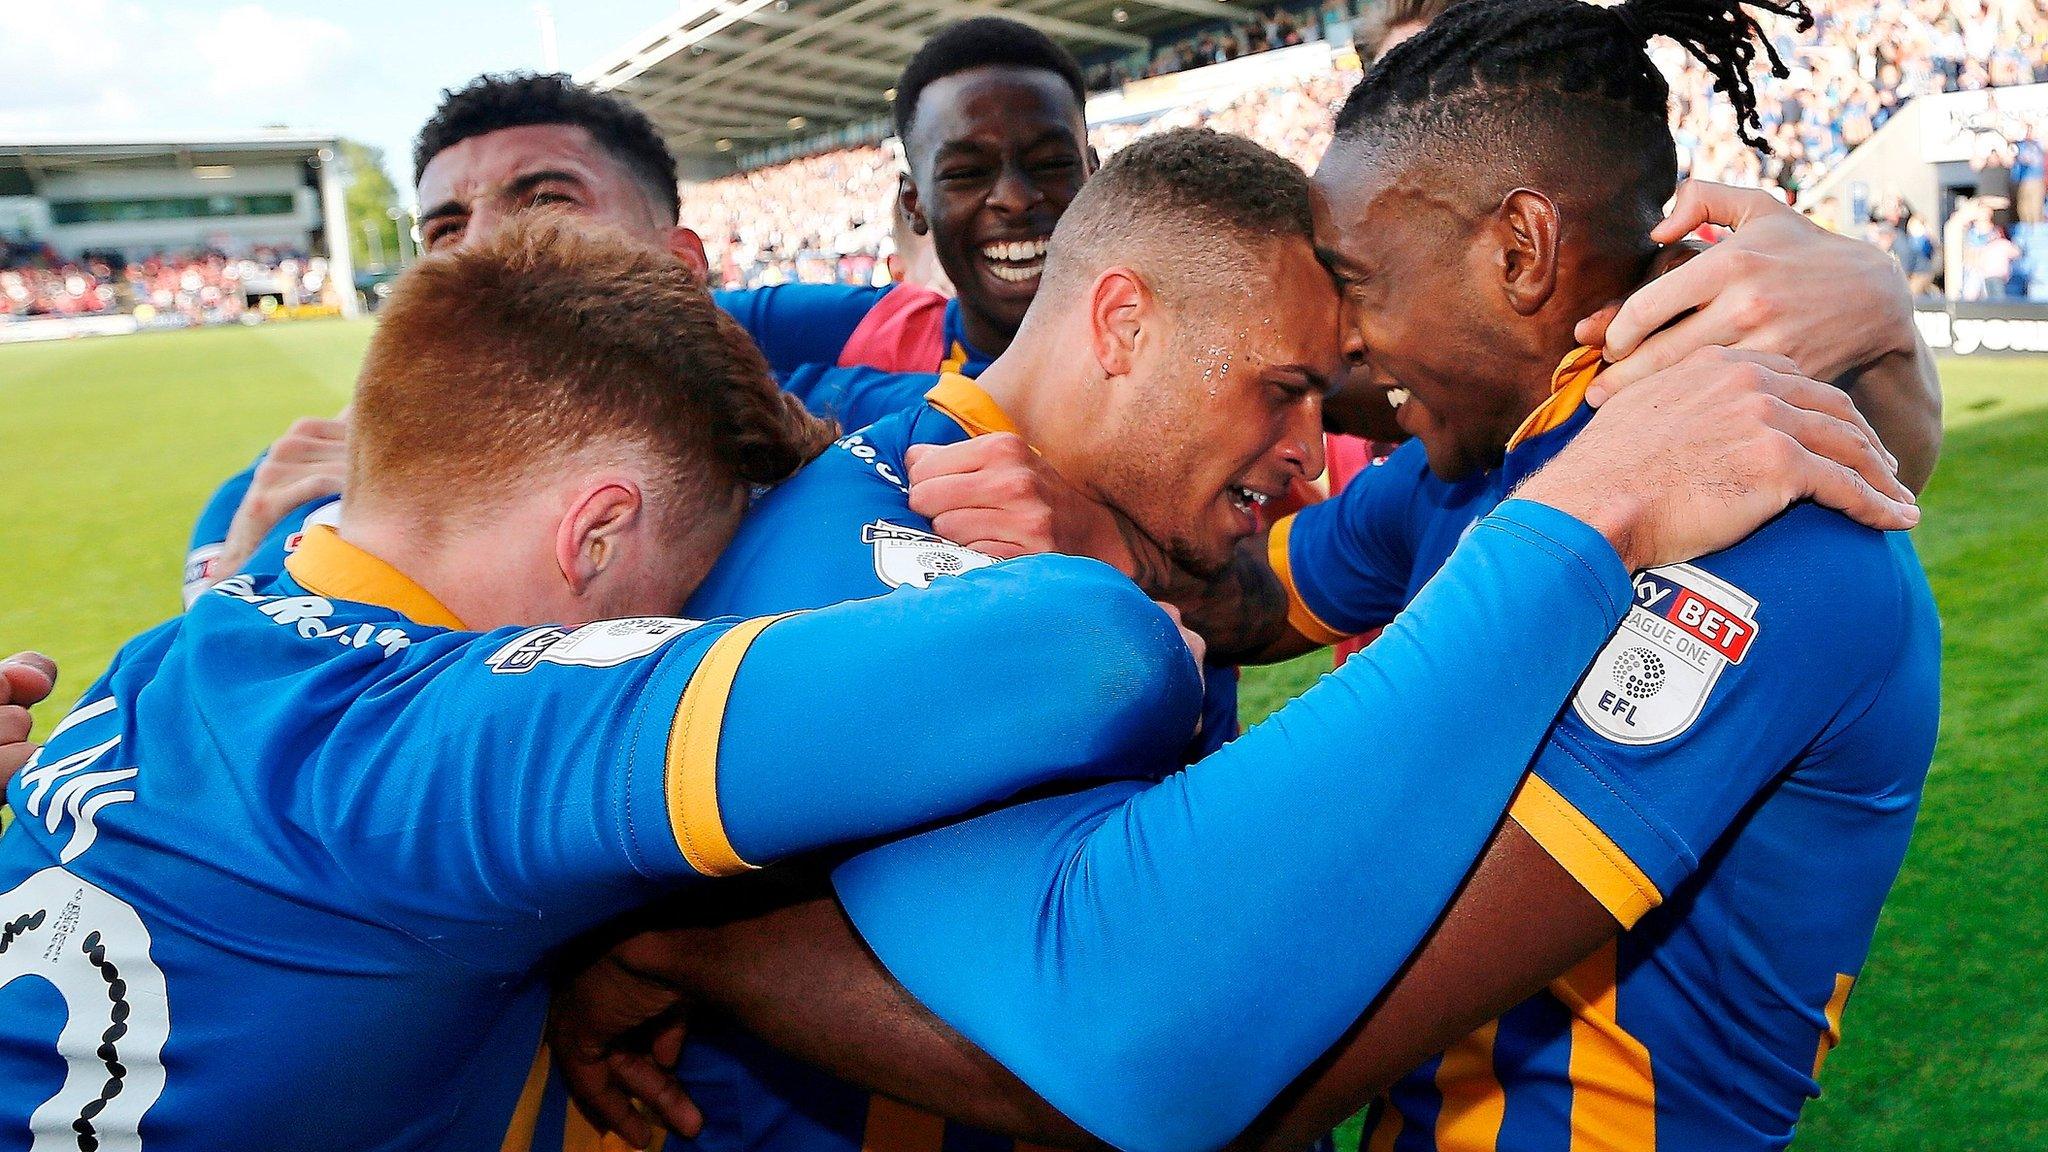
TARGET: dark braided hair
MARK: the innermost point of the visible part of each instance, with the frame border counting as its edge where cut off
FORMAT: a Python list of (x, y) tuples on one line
[(1571, 48)]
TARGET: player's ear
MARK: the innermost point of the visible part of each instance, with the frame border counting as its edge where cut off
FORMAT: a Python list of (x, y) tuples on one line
[(1120, 308), (689, 248), (1525, 230), (592, 532), (908, 203)]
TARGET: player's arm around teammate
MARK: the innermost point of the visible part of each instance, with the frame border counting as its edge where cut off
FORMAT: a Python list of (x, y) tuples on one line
[(1837, 307), (1653, 476)]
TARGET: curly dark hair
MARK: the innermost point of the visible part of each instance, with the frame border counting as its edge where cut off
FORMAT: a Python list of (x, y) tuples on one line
[(516, 99), (982, 42)]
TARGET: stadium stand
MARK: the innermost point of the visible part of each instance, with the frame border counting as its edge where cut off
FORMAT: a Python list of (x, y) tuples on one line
[(193, 287), (825, 217)]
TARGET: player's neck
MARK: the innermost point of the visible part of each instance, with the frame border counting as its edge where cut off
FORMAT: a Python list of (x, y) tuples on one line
[(479, 581)]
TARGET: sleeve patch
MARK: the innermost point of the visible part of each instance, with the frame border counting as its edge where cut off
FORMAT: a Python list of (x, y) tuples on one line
[(909, 556), (1651, 681), (604, 644)]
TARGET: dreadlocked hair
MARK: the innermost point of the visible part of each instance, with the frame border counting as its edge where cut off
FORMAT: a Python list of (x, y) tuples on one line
[(1576, 49)]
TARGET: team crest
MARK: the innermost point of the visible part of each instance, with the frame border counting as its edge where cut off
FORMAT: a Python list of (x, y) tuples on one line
[(605, 644), (908, 556), (1654, 676)]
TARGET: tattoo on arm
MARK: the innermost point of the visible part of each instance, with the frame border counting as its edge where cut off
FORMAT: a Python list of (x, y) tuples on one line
[(1242, 613)]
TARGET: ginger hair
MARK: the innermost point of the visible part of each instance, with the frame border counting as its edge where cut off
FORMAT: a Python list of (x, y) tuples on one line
[(557, 338)]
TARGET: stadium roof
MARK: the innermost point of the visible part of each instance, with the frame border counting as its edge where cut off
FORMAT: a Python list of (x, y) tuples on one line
[(756, 72), (58, 153)]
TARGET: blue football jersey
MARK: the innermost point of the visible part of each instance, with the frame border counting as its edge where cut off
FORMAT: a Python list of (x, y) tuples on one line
[(1736, 779), (798, 324), (842, 529), (288, 873)]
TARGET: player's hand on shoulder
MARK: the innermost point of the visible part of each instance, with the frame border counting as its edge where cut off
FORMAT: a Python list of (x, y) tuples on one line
[(615, 1033), (1694, 458), (995, 495), (1779, 284), (26, 679), (307, 463)]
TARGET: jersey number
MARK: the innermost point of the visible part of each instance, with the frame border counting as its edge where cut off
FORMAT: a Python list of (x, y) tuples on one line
[(94, 950)]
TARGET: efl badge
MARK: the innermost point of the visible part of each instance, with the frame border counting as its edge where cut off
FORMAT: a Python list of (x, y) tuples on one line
[(1653, 678), (605, 644), (908, 556)]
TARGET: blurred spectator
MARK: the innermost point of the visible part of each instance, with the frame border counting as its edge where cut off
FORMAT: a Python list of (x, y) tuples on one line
[(1851, 72), (2029, 167), (195, 287)]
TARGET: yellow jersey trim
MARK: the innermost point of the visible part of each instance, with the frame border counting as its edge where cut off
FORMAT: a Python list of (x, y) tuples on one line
[(1614, 1085), (693, 810), (1833, 1035), (955, 360), (1582, 849), (526, 1114), (1300, 616), (1568, 386), (969, 406), (329, 566), (1474, 1104)]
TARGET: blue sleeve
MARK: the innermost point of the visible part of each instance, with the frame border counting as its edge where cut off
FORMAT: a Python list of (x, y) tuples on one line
[(1346, 562), (572, 773), (800, 323), (211, 532), (1160, 962), (498, 794), (878, 715), (1726, 673), (856, 397)]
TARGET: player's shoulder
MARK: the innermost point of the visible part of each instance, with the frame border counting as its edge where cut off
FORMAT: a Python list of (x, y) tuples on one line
[(799, 298), (1812, 588), (878, 450)]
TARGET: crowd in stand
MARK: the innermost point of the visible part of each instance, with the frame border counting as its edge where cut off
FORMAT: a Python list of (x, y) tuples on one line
[(1277, 28), (202, 287), (828, 218), (1861, 62)]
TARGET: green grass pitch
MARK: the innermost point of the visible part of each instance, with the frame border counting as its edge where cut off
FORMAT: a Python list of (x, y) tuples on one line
[(111, 445)]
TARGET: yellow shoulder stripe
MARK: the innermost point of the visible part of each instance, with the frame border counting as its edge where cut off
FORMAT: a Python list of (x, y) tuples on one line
[(1299, 615), (1582, 849), (693, 810)]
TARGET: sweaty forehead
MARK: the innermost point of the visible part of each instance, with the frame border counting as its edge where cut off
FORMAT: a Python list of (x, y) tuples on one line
[(1289, 309), (994, 106), (480, 164)]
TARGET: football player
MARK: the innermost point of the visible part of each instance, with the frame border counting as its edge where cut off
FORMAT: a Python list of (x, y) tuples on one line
[(288, 873)]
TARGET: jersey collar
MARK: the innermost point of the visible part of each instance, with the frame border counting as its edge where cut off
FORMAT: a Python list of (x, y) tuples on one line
[(969, 406), (1568, 386), (327, 565)]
